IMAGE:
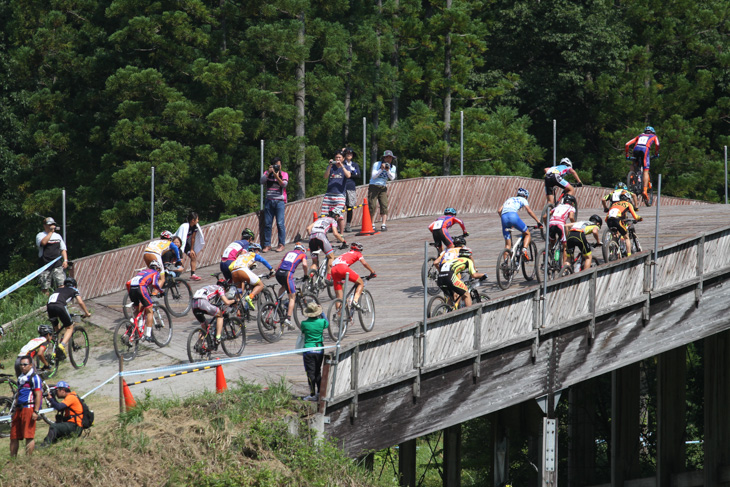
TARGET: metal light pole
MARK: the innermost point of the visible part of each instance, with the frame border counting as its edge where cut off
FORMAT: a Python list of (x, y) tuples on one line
[(725, 174), (364, 148), (462, 142), (656, 233), (152, 206), (555, 143), (63, 215), (261, 200)]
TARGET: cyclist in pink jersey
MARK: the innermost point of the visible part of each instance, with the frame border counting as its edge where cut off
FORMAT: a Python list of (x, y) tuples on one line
[(341, 266), (235, 249), (562, 218), (318, 237)]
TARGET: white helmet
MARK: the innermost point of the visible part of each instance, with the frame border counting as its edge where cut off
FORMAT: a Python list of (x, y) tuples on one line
[(231, 293), (566, 162)]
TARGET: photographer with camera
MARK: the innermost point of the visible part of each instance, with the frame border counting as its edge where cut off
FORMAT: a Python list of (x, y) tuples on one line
[(337, 175), (50, 246), (69, 413), (383, 171), (276, 182)]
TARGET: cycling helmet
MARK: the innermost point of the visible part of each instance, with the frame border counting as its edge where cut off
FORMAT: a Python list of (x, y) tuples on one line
[(624, 197), (621, 185), (166, 234), (649, 130), (254, 247), (44, 330), (450, 211), (459, 240), (523, 192), (247, 234), (465, 252), (231, 293), (220, 282), (569, 199), (566, 162), (332, 214), (155, 265), (69, 282), (300, 247), (597, 220), (356, 246)]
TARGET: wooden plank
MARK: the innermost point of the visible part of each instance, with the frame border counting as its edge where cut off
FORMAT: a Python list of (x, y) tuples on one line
[(671, 414)]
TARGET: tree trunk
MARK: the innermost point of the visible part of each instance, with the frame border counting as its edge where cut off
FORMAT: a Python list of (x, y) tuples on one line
[(447, 99), (299, 129), (395, 62)]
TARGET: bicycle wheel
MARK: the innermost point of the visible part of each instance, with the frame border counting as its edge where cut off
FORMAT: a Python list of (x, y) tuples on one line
[(614, 251), (650, 192), (5, 404), (434, 303), (442, 310), (635, 242), (48, 354), (178, 298), (567, 270), (331, 291), (266, 296), (233, 337), (78, 351), (545, 217), (312, 285), (162, 329), (269, 319), (366, 313), (605, 240), (301, 305), (333, 315), (198, 349), (127, 307), (429, 274), (126, 341), (505, 274), (532, 252)]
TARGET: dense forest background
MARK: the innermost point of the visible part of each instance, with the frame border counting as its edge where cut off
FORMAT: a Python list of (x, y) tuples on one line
[(95, 92)]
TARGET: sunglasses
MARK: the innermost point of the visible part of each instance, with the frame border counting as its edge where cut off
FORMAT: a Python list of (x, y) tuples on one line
[(24, 365)]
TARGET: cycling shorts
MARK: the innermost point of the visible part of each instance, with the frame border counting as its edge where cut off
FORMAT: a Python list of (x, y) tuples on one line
[(552, 180), (286, 279), (512, 220), (643, 156), (450, 282), (578, 240), (441, 237), (617, 224), (140, 296), (59, 312), (245, 275), (150, 257), (338, 275), (557, 230), (202, 307), (318, 241), (225, 269)]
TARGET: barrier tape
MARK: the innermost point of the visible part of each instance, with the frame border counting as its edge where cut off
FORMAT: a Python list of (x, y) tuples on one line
[(346, 209), (209, 367), (27, 278)]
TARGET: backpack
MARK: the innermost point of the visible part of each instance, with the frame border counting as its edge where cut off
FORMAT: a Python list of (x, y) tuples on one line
[(87, 415)]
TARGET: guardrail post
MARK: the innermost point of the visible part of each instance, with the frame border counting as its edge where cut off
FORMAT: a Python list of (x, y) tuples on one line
[(417, 361), (645, 311), (592, 302), (700, 269), (121, 386), (538, 317), (354, 372), (477, 340)]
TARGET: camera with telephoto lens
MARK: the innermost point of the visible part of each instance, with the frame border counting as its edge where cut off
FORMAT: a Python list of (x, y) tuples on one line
[(277, 167), (386, 166)]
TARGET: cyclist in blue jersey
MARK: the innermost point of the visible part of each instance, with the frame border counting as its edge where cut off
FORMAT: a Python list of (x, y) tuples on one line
[(508, 212), (554, 177), (285, 277)]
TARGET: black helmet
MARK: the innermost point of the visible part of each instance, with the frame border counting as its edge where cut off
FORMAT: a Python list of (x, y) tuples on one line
[(465, 252), (70, 282), (597, 220), (247, 234), (44, 330), (569, 199), (460, 240), (624, 197)]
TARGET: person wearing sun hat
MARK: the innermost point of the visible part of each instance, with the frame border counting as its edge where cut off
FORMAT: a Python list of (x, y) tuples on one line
[(312, 329)]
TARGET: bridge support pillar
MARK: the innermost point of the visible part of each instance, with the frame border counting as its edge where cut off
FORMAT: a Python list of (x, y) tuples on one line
[(717, 397), (624, 424), (671, 414), (452, 456), (582, 432), (407, 463)]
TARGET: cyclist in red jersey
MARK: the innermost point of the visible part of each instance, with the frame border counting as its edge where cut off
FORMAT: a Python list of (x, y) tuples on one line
[(341, 266), (642, 151), (139, 287), (440, 229)]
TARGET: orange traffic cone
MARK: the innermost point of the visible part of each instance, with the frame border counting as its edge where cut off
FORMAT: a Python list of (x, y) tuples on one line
[(314, 216), (367, 223), (129, 401), (220, 380)]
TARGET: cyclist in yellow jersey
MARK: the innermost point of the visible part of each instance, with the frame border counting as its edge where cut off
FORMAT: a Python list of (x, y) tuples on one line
[(452, 253), (154, 250), (619, 190), (577, 238), (449, 279), (617, 216), (241, 272)]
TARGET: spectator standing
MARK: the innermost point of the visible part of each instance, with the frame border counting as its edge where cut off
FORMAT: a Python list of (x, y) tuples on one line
[(351, 184), (192, 241), (50, 246), (69, 414), (383, 171), (28, 401), (312, 329), (276, 182), (334, 199)]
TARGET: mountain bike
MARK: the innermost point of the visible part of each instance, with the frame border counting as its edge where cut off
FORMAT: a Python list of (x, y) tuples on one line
[(178, 297), (318, 278), (575, 262), (554, 261), (271, 315), (508, 266), (77, 348), (614, 246), (201, 341), (429, 273), (365, 314), (545, 214), (6, 403), (476, 294), (635, 181), (127, 335)]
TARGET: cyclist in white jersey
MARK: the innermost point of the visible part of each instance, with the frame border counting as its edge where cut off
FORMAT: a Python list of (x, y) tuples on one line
[(511, 219), (562, 218), (318, 237)]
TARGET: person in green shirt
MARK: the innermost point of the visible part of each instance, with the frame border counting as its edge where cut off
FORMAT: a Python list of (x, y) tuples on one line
[(312, 329)]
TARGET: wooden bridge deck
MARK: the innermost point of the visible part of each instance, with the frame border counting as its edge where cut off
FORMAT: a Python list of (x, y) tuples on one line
[(396, 256)]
